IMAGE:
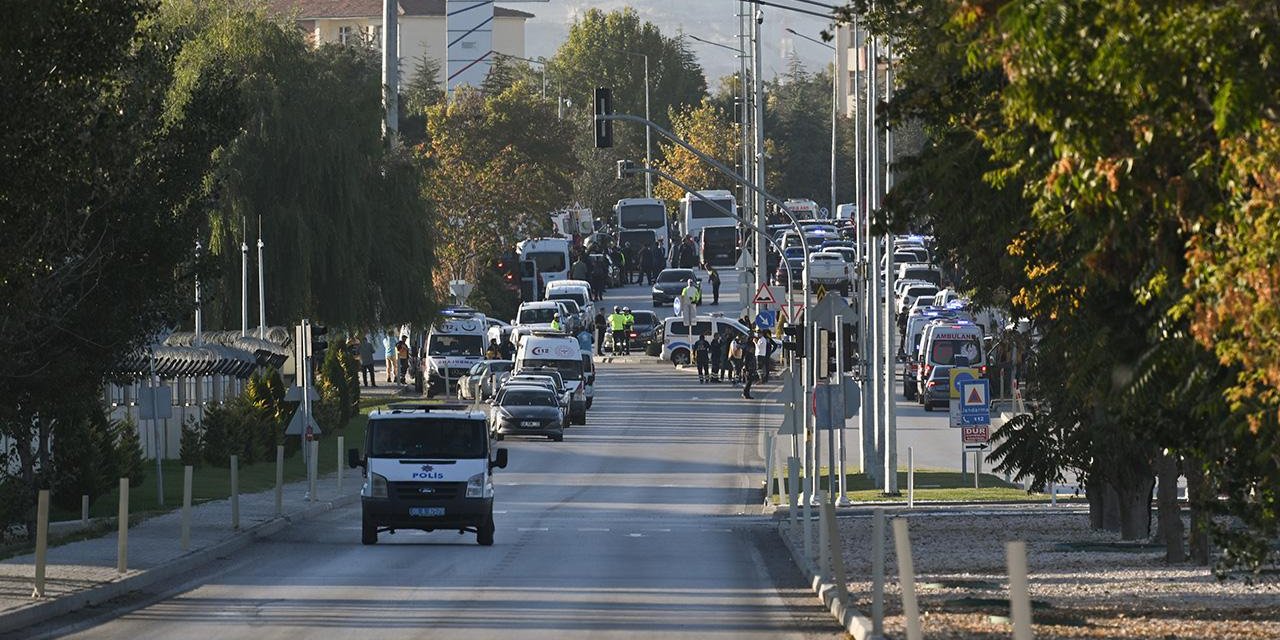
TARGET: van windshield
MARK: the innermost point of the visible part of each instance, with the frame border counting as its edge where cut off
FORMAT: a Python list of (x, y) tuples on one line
[(700, 209), (427, 437), (455, 345), (548, 260), (576, 298), (642, 216), (541, 315), (569, 369), (944, 351), (928, 275)]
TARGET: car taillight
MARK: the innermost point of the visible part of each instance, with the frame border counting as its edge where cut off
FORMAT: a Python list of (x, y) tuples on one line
[(983, 369), (634, 334), (933, 383), (928, 369)]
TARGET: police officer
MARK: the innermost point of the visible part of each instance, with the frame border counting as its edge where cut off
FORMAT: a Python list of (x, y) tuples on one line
[(702, 357), (628, 322), (599, 325), (618, 326), (555, 323)]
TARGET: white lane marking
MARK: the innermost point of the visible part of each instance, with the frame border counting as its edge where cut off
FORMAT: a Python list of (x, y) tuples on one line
[(635, 535), (503, 511), (659, 530), (594, 529), (532, 529)]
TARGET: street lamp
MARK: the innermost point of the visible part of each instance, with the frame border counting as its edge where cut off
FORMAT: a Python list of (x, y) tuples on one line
[(835, 99), (648, 143)]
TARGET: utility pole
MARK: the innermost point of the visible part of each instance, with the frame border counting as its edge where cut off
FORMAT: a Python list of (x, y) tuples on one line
[(891, 405), (262, 292), (199, 337), (244, 279), (762, 269), (648, 142), (390, 67)]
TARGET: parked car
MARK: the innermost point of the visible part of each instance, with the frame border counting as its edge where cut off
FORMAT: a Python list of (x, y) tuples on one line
[(483, 379), (527, 410), (670, 283), (937, 389)]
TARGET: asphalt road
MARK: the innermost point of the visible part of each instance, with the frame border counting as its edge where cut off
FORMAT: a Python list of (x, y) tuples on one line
[(643, 523)]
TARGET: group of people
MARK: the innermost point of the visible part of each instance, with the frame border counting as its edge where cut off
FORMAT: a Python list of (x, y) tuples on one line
[(742, 359), (642, 263), (619, 326), (594, 271)]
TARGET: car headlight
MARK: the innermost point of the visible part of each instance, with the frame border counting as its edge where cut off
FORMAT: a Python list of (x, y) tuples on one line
[(657, 291), (505, 415), (377, 485), (476, 486)]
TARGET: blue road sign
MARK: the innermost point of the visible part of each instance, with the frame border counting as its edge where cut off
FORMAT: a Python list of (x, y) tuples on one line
[(975, 401), (767, 318)]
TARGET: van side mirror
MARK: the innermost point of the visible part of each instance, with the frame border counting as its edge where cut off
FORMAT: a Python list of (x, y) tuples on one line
[(353, 458), (501, 460)]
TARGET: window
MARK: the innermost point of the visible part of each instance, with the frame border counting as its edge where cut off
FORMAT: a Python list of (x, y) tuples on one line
[(346, 35), (375, 36), (116, 392)]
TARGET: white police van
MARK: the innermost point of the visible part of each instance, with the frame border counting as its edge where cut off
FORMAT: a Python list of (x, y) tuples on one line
[(427, 467), (454, 345)]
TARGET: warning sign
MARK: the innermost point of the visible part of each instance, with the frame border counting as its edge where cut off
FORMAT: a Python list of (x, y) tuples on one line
[(764, 295), (977, 395), (821, 292)]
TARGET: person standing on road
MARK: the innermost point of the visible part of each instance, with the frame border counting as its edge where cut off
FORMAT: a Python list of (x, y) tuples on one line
[(717, 356), (599, 326), (762, 355), (366, 362), (389, 356), (628, 322), (735, 360), (618, 325), (702, 358), (714, 277), (647, 256), (492, 352), (402, 358), (579, 270), (748, 374)]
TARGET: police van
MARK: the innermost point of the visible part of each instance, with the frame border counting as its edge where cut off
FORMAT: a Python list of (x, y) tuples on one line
[(564, 354), (454, 345), (427, 467)]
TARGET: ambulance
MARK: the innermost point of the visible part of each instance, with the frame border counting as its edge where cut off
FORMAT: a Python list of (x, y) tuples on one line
[(563, 353)]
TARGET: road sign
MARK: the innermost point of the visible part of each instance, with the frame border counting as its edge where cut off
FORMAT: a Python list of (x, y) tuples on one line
[(958, 375), (974, 402), (766, 319), (830, 309), (821, 292), (764, 295), (745, 261), (155, 402), (789, 423), (460, 289), (973, 435), (827, 414)]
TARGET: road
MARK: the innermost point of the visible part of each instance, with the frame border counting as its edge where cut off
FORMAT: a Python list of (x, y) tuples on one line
[(643, 523)]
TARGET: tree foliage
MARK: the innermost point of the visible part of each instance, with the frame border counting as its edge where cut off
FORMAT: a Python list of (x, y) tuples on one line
[(707, 128)]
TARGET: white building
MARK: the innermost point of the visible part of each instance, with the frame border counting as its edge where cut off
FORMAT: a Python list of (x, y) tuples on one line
[(422, 27)]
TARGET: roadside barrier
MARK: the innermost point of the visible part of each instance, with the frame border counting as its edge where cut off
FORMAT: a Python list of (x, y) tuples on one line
[(279, 480), (1019, 599), (235, 493), (186, 507), (122, 537), (42, 541), (907, 579)]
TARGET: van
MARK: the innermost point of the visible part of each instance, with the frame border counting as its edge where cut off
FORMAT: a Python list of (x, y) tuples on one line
[(550, 257), (919, 271), (427, 467), (677, 344), (454, 344), (943, 342), (561, 353), (579, 292)]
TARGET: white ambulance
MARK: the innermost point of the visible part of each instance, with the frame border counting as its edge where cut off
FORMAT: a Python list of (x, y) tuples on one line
[(563, 353), (455, 344)]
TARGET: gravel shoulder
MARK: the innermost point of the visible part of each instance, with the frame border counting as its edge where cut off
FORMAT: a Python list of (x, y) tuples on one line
[(1082, 584)]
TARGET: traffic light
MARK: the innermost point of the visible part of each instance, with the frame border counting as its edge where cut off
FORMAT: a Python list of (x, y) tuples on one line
[(604, 107), (509, 270), (793, 339)]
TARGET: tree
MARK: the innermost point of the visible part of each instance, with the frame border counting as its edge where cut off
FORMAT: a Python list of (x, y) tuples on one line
[(498, 166), (707, 128)]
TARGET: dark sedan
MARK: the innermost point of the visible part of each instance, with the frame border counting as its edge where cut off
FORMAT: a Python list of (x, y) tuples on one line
[(527, 410), (643, 330), (937, 389), (670, 283)]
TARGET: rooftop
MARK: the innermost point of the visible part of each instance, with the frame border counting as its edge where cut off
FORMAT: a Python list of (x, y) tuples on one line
[(313, 9)]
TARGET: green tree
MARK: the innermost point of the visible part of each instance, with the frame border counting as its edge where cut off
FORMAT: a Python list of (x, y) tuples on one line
[(707, 128)]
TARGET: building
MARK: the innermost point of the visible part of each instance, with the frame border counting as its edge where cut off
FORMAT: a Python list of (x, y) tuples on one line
[(422, 27)]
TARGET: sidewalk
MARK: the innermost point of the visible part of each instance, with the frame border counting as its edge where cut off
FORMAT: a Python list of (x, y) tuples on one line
[(83, 573)]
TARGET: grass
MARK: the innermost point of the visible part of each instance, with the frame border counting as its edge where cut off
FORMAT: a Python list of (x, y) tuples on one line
[(210, 482), (930, 485)]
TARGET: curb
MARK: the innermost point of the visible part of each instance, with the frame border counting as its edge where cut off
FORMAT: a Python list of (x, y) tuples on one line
[(39, 611), (852, 620)]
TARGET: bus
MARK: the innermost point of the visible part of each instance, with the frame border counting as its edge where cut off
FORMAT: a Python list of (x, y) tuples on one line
[(698, 214), (642, 214)]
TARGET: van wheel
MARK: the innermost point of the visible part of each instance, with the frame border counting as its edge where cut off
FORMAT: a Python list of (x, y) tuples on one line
[(368, 532), (680, 357), (484, 535)]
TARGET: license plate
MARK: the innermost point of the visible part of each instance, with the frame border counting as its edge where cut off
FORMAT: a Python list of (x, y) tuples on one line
[(528, 423), (426, 512)]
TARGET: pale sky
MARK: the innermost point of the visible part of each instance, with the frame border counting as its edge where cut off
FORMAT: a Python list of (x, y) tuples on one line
[(713, 20)]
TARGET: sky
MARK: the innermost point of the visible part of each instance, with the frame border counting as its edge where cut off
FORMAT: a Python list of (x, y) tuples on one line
[(713, 20)]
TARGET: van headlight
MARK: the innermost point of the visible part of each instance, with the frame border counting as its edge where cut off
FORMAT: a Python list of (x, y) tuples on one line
[(476, 486), (377, 485)]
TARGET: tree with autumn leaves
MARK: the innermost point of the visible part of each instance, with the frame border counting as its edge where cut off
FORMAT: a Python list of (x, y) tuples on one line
[(1121, 155)]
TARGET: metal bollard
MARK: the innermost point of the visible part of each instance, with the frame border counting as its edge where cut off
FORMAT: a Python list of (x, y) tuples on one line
[(235, 493), (186, 507), (1019, 599), (807, 515), (824, 549), (768, 468), (84, 511), (279, 480), (911, 480), (877, 574), (311, 469), (907, 578), (836, 552), (793, 488), (341, 443), (122, 537), (42, 541)]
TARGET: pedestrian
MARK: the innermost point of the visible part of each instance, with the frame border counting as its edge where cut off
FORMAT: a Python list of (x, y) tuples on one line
[(599, 326), (366, 362), (646, 263), (702, 358), (506, 350), (629, 321), (717, 356), (618, 326), (599, 277), (579, 269), (748, 374), (402, 358), (389, 356), (714, 277), (492, 352), (762, 355), (725, 364), (735, 360)]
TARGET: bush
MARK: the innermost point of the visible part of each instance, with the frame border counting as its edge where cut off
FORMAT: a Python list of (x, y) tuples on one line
[(84, 456), (191, 448), (129, 452), (217, 435)]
